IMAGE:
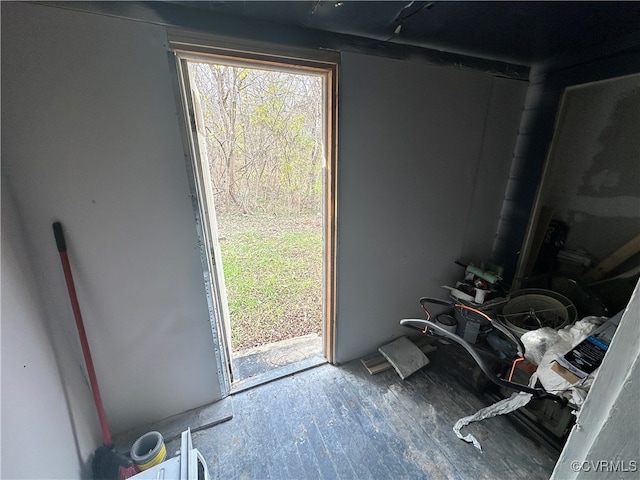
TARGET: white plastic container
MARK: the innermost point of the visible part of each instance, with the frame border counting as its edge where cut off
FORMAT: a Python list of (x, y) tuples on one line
[(189, 465)]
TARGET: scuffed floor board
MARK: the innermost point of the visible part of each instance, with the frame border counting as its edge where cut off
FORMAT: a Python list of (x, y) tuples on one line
[(340, 422)]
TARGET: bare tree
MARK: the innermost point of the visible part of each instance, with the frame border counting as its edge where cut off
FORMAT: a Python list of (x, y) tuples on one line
[(265, 138)]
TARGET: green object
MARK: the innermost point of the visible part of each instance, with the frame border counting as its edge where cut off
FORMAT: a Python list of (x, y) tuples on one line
[(490, 277)]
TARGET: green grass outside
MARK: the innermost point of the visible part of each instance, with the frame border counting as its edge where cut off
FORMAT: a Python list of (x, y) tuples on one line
[(274, 284)]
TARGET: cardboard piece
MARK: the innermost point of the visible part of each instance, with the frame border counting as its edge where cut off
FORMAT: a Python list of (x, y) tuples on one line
[(377, 363), (583, 359), (404, 356)]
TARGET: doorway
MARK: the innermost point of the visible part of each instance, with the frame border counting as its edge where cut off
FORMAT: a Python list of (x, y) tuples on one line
[(263, 154)]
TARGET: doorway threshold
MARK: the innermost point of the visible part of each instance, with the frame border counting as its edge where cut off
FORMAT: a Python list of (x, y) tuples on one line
[(264, 364)]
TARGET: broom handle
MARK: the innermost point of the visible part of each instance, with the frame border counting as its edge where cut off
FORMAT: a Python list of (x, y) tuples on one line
[(62, 248)]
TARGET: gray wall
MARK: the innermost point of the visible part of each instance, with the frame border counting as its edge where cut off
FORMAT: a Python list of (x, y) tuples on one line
[(90, 137), (546, 86), (593, 173), (424, 155), (41, 408)]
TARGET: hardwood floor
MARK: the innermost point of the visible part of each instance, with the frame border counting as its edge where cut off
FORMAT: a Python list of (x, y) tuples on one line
[(340, 422)]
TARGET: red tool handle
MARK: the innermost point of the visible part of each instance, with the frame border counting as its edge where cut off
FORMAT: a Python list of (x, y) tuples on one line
[(62, 248)]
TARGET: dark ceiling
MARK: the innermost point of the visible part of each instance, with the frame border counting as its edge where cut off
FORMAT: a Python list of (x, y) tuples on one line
[(524, 33)]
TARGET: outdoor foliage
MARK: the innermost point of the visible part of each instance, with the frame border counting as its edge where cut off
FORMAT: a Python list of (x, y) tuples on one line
[(273, 272), (264, 138), (264, 141)]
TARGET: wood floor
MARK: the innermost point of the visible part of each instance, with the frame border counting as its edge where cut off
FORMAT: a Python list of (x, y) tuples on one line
[(340, 422)]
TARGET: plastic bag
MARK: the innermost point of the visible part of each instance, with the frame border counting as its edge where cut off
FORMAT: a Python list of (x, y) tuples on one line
[(543, 344), (506, 405)]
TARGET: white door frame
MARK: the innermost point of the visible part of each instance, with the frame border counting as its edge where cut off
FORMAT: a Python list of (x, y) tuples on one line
[(206, 225)]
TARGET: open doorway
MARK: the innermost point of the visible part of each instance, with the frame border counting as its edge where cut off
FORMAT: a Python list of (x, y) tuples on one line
[(263, 133)]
